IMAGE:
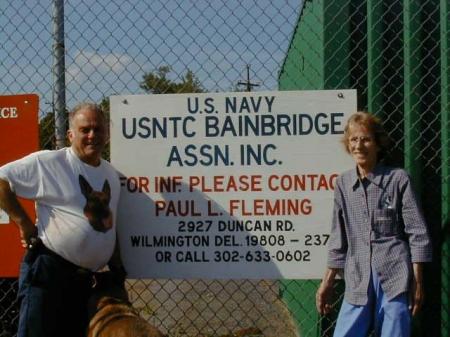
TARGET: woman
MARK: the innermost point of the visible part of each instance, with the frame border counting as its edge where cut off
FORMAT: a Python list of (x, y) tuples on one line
[(378, 238)]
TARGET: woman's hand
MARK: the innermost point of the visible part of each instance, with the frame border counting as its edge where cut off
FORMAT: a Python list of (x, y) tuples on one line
[(323, 298), (325, 292), (417, 293)]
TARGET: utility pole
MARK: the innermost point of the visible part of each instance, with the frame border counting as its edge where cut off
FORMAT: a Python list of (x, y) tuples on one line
[(249, 85), (59, 79)]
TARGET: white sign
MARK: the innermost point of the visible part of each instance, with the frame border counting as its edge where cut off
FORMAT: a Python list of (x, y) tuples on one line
[(228, 185), (4, 218)]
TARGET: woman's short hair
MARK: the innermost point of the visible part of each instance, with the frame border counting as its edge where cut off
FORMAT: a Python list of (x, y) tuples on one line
[(373, 125)]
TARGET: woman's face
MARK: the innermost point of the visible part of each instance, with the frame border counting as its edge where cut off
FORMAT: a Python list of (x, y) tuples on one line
[(362, 147)]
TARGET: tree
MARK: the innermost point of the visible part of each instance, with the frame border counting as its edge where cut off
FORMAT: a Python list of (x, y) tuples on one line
[(47, 132), (47, 138), (104, 105), (157, 82)]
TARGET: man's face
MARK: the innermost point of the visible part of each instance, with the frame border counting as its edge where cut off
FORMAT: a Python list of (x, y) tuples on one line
[(88, 136)]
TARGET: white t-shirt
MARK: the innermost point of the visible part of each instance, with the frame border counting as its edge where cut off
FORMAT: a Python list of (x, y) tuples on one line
[(52, 179)]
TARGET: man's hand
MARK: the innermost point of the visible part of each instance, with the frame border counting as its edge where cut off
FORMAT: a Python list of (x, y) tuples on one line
[(119, 274), (116, 267), (12, 207), (417, 293), (26, 234)]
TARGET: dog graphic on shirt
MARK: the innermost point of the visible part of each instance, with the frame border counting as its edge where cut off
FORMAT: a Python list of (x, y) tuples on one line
[(97, 209)]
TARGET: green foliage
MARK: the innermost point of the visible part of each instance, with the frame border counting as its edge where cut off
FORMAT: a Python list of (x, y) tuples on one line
[(104, 105), (47, 138), (157, 82), (47, 132)]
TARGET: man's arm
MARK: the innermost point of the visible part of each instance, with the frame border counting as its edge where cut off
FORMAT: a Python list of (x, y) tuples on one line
[(12, 207), (115, 264)]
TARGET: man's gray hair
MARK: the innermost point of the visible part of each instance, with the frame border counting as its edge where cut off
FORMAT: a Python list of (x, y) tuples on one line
[(85, 105)]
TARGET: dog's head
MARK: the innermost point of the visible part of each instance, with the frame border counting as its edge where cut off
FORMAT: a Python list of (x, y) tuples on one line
[(106, 290), (97, 209), (111, 314), (112, 319)]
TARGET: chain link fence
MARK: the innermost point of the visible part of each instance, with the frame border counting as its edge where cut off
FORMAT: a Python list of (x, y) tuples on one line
[(395, 53)]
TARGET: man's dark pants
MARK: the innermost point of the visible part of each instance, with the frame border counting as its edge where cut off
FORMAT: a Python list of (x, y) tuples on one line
[(53, 296)]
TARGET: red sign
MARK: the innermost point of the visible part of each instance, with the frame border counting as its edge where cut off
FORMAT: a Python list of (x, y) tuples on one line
[(18, 137)]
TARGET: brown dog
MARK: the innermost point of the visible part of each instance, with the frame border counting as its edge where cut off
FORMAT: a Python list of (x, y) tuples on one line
[(246, 332), (113, 315)]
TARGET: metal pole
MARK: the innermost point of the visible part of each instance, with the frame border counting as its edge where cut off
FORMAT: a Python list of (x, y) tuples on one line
[(59, 80)]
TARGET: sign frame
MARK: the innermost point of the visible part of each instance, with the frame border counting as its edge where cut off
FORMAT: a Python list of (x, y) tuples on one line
[(181, 216)]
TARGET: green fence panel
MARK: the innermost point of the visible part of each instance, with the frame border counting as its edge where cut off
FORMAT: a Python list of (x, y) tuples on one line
[(445, 174), (375, 61), (322, 43), (412, 88)]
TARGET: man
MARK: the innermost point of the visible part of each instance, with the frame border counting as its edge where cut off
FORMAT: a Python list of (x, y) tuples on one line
[(76, 194)]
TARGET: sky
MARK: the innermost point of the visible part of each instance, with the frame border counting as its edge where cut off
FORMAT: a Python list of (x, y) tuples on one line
[(111, 44)]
